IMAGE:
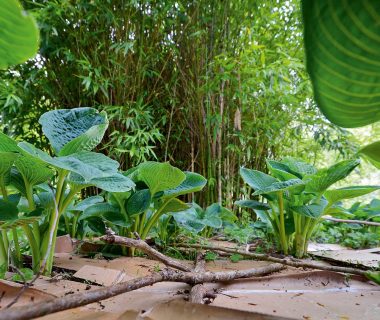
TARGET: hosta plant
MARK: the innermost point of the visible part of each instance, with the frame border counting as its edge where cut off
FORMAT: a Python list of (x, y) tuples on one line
[(296, 195), (49, 183), (137, 212)]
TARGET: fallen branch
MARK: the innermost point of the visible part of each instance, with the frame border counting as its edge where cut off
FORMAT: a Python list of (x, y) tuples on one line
[(368, 223), (198, 292), (112, 238), (80, 299), (288, 262)]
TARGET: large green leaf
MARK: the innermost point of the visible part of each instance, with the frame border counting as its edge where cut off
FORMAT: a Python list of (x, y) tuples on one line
[(193, 182), (138, 202), (33, 172), (7, 144), (255, 179), (372, 153), (296, 184), (342, 42), (333, 196), (312, 210), (252, 204), (8, 210), (113, 183), (90, 201), (98, 210), (281, 171), (298, 167), (323, 179), (174, 205), (6, 162), (19, 36), (74, 130), (160, 176), (88, 164)]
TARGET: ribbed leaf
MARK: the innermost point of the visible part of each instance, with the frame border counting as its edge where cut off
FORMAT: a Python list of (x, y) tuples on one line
[(193, 182), (282, 186), (114, 183), (98, 210), (88, 164), (299, 167), (160, 176), (6, 162), (372, 152), (333, 196), (252, 204), (312, 211), (342, 45), (281, 171), (84, 204), (7, 144), (19, 36), (256, 179), (174, 205), (138, 202), (73, 130), (33, 172), (323, 179)]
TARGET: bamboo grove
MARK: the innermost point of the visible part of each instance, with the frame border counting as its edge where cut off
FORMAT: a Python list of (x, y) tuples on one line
[(208, 85)]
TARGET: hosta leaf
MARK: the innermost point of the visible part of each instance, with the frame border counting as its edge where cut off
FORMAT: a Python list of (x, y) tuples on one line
[(323, 179), (160, 176), (116, 218), (98, 210), (372, 153), (281, 186), (252, 204), (33, 172), (298, 166), (7, 144), (213, 222), (138, 202), (17, 181), (256, 179), (74, 130), (174, 205), (114, 183), (6, 162), (88, 164), (84, 204), (342, 51), (8, 210), (312, 210), (189, 220), (19, 36), (333, 196), (193, 182), (281, 171)]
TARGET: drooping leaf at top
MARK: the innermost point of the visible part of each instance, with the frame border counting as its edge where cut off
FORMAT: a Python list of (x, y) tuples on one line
[(323, 179), (138, 202), (342, 43), (252, 204), (336, 195), (255, 179), (160, 176), (88, 164), (73, 130), (19, 36), (193, 182), (372, 153)]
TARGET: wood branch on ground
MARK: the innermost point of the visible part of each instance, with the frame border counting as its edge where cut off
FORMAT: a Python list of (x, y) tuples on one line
[(112, 238), (364, 222), (80, 299), (285, 261), (198, 292)]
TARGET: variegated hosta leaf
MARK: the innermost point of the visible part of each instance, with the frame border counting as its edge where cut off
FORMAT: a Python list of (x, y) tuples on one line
[(336, 195), (252, 204), (88, 164), (160, 176), (74, 130), (323, 179), (193, 182), (114, 183), (18, 33)]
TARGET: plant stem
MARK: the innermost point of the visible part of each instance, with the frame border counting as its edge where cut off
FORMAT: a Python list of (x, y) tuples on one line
[(282, 223), (153, 220), (3, 256), (33, 247), (17, 246)]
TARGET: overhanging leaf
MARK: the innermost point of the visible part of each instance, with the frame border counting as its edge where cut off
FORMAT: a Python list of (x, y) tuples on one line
[(256, 179), (19, 36), (336, 195), (193, 182), (74, 130), (342, 46), (281, 186)]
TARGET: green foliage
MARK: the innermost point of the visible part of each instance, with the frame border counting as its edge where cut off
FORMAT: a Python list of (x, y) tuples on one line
[(27, 274), (297, 197), (19, 36)]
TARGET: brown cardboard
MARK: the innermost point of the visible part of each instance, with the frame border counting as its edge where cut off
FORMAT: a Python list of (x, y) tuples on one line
[(99, 275)]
